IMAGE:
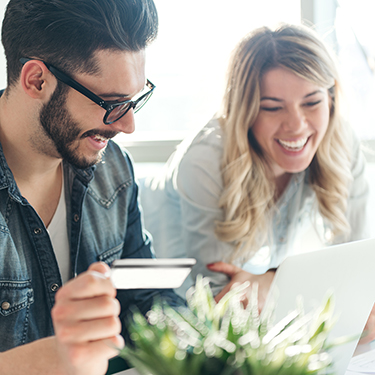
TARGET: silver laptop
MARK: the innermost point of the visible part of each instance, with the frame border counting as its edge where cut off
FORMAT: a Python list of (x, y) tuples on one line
[(348, 270)]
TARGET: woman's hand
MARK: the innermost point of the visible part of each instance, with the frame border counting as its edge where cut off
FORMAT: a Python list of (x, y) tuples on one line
[(238, 275)]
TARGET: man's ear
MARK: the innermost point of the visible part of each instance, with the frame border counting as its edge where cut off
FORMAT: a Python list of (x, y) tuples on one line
[(36, 80)]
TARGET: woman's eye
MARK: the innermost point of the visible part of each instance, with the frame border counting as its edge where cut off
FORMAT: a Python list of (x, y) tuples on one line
[(311, 104), (270, 109)]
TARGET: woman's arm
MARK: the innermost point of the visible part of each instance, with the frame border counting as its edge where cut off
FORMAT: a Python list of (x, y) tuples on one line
[(199, 185)]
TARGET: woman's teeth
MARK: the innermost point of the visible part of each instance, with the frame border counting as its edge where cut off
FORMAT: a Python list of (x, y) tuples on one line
[(293, 145)]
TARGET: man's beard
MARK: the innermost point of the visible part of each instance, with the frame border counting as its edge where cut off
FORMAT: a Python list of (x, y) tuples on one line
[(63, 131)]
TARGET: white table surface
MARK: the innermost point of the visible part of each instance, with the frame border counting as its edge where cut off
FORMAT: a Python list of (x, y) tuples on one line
[(359, 350), (131, 371)]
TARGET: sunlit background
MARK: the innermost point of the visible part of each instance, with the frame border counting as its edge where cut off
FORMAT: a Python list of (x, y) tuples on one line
[(355, 31), (188, 60)]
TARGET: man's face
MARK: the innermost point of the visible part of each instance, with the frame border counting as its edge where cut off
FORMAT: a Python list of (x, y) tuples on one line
[(74, 124)]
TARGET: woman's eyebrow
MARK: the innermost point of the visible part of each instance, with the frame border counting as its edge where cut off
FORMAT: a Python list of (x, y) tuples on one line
[(270, 98), (314, 92), (280, 100)]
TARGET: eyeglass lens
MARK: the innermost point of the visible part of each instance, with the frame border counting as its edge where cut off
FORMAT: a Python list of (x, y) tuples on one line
[(117, 112), (120, 110)]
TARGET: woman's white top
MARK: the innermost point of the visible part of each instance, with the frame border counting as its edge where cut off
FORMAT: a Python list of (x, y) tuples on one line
[(181, 207)]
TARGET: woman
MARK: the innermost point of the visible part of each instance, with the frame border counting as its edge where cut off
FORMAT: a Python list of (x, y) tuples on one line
[(276, 172)]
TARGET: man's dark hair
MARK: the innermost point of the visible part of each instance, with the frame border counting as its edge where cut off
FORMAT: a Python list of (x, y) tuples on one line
[(66, 33)]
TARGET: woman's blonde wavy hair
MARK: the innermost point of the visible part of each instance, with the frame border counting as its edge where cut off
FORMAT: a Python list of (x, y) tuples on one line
[(249, 193)]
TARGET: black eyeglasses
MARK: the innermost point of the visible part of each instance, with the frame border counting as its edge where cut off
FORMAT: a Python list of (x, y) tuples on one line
[(115, 110)]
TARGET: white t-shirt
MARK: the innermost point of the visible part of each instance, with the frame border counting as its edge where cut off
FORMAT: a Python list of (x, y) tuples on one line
[(58, 232)]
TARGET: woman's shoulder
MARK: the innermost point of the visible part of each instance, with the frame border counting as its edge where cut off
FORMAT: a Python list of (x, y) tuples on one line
[(203, 143), (211, 133), (201, 151), (210, 137)]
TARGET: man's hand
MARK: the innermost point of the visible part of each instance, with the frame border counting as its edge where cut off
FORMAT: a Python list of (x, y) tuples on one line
[(85, 318), (238, 275)]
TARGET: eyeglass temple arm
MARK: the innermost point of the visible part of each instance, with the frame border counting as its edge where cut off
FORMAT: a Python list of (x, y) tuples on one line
[(70, 82), (77, 86)]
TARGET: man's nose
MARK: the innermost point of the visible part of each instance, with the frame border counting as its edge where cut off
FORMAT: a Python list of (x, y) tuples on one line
[(125, 124)]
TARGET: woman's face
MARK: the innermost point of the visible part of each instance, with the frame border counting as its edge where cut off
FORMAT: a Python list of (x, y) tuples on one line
[(292, 121)]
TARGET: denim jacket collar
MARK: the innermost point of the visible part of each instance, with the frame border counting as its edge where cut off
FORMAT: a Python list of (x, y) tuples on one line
[(7, 179), (85, 175)]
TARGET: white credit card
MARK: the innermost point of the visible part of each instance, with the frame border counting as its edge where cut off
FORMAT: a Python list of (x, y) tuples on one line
[(148, 273)]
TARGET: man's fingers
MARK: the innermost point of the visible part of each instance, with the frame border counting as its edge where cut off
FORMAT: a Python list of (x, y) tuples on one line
[(86, 309), (100, 267), (78, 354), (92, 283), (86, 331)]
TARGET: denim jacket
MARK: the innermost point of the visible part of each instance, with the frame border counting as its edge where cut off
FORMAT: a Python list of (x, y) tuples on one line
[(104, 223)]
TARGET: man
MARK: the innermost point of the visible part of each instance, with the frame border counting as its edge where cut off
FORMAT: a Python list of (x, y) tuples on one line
[(68, 198)]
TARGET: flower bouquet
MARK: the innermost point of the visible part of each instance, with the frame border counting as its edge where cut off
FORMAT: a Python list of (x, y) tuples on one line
[(226, 338)]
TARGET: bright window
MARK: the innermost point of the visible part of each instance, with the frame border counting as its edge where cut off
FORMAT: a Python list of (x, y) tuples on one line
[(355, 31), (188, 60)]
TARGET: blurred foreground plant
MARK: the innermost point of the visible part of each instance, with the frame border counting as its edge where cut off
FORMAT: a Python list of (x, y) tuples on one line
[(225, 338)]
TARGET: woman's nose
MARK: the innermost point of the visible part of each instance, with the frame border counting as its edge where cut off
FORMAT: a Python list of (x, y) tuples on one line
[(295, 120)]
